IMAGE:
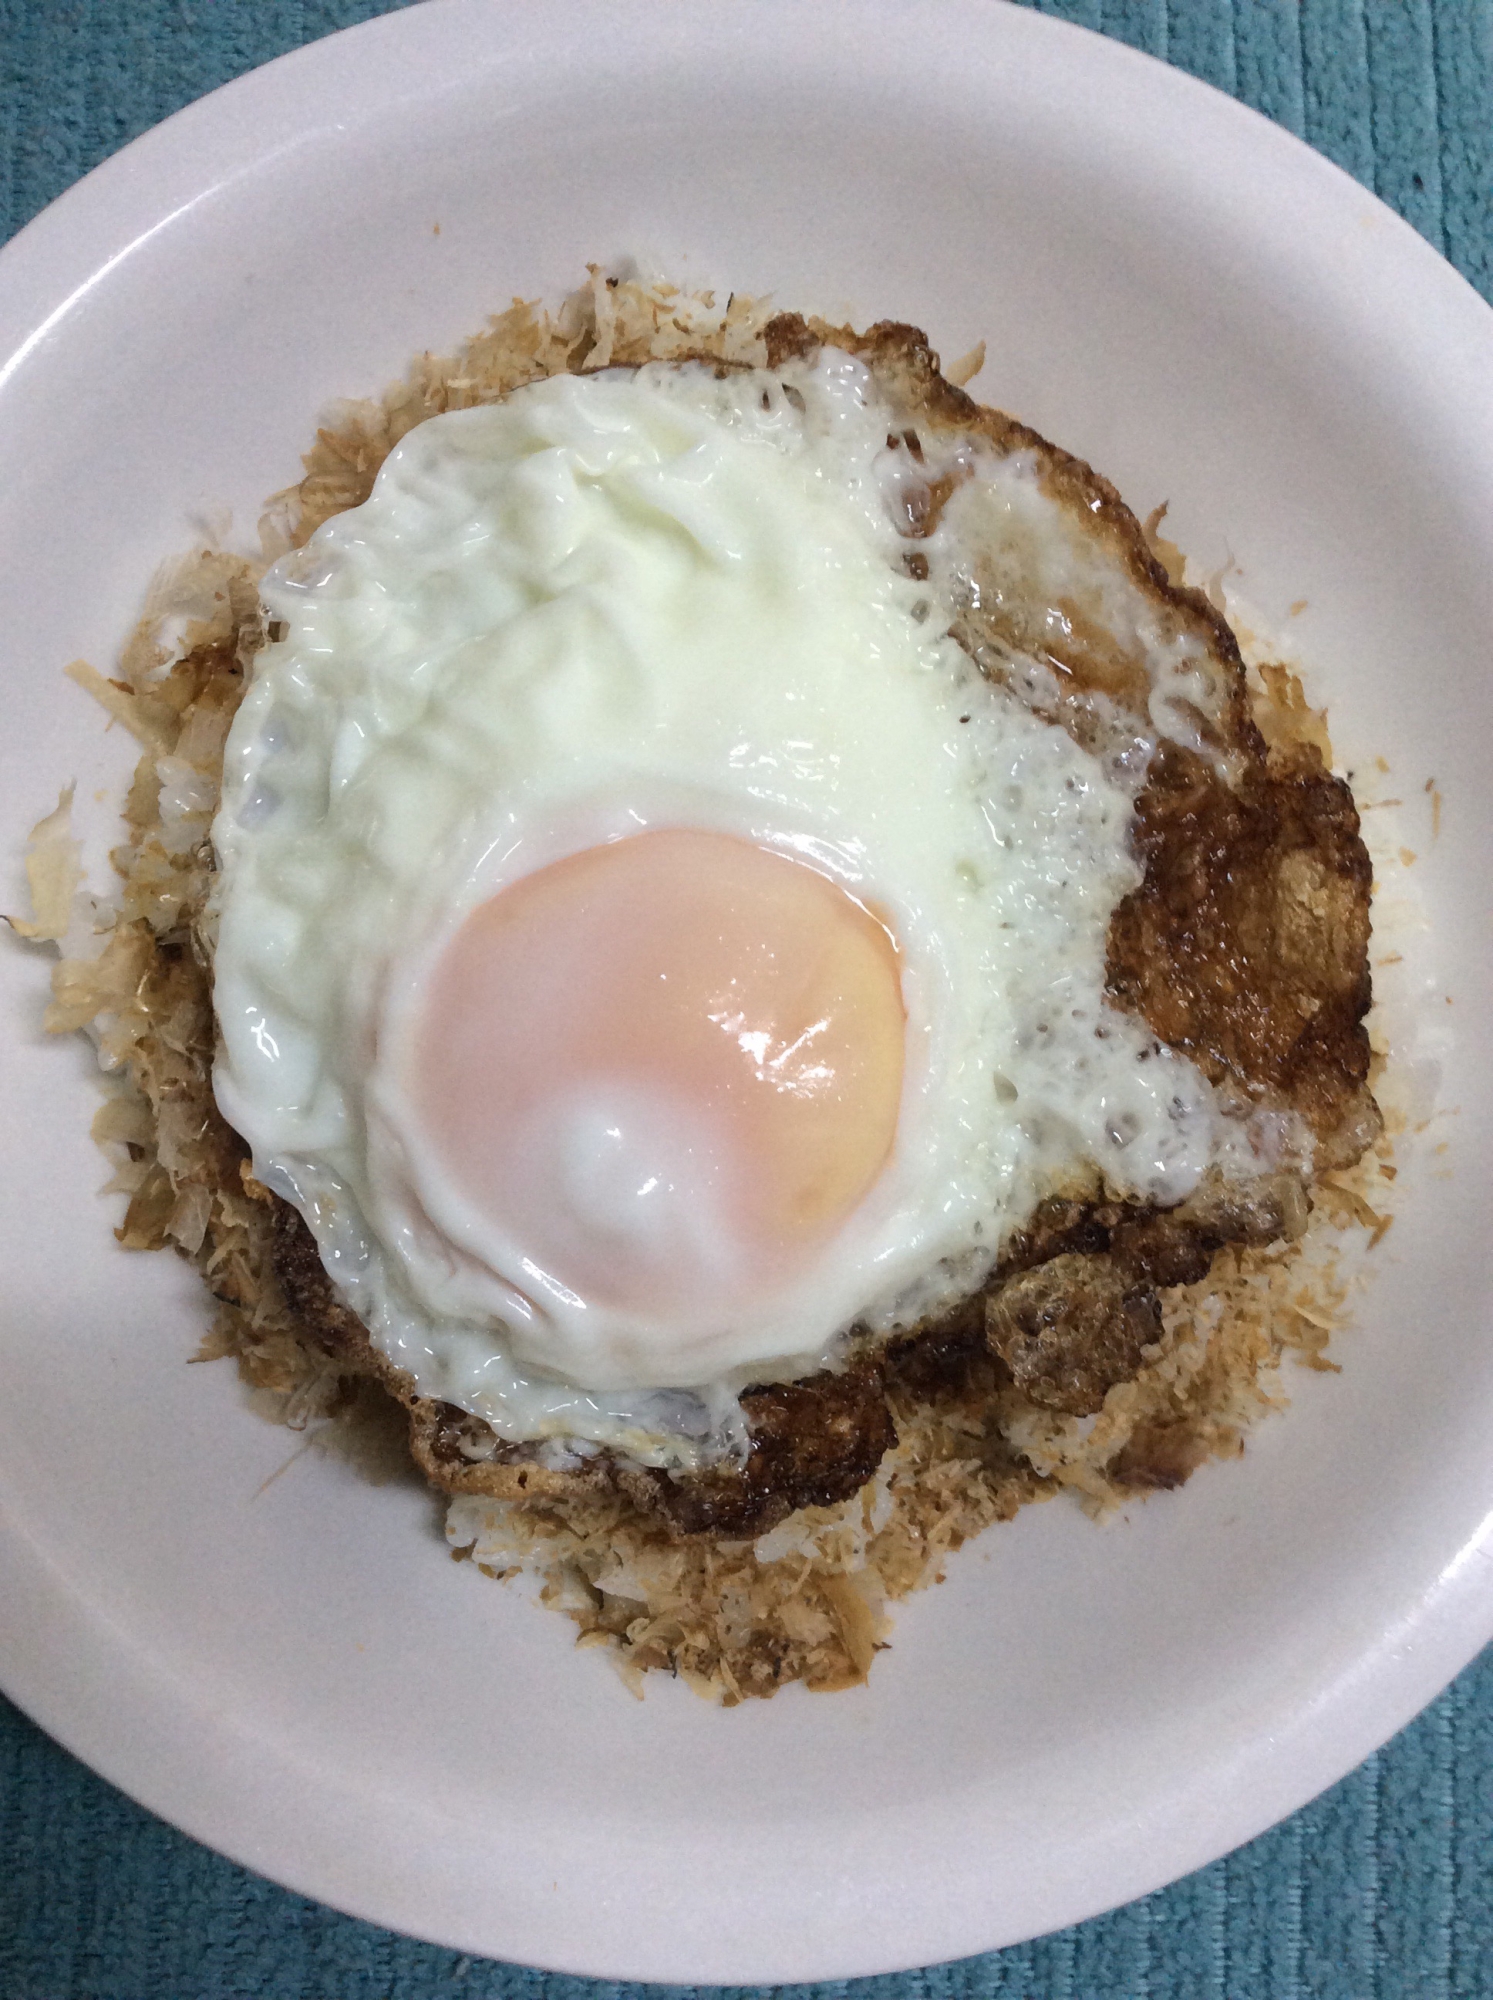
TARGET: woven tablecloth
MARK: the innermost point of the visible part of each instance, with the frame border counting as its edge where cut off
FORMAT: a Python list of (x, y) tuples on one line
[(1384, 1887)]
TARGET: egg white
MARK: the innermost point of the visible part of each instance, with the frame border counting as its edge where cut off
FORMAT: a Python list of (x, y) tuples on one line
[(671, 597)]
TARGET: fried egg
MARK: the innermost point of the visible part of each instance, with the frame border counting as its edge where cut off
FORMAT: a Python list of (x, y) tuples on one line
[(649, 951)]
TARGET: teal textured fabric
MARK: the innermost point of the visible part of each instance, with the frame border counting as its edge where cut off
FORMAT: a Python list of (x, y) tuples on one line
[(1380, 1890)]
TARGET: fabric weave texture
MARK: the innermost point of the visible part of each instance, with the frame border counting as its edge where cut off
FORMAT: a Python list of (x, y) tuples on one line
[(1380, 1890)]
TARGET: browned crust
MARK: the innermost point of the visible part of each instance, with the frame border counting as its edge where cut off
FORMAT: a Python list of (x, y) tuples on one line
[(907, 372), (1070, 1329), (1246, 946), (814, 1444), (1068, 1314)]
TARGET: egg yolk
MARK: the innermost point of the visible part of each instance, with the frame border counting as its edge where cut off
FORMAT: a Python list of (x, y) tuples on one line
[(665, 1070)]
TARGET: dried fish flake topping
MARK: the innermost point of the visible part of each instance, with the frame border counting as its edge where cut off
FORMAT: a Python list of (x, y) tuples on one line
[(808, 1601)]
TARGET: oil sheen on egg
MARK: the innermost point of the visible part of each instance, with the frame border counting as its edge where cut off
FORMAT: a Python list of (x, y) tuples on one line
[(648, 948)]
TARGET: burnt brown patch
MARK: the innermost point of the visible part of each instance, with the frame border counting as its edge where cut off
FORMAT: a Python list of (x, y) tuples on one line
[(1069, 1330), (1246, 946), (814, 1443)]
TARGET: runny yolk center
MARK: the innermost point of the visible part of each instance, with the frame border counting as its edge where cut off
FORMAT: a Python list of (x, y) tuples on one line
[(664, 1071)]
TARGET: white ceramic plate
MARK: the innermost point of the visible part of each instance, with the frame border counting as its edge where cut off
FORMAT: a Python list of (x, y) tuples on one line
[(1213, 316)]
